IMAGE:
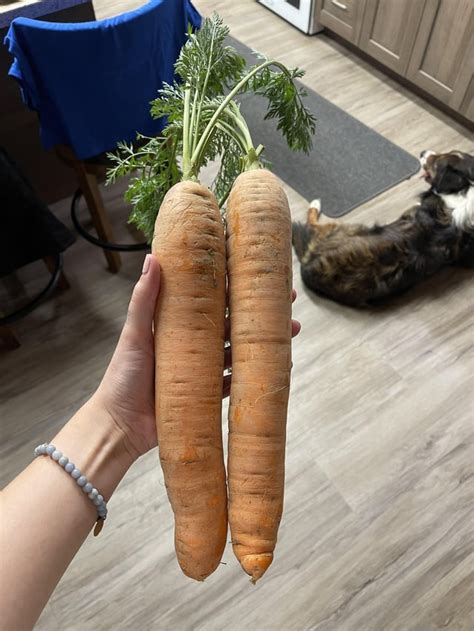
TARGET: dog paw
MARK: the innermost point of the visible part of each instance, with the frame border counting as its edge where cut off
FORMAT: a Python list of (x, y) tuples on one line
[(316, 204), (314, 212)]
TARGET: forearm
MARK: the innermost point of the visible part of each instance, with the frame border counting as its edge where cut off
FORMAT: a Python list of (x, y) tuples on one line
[(46, 516)]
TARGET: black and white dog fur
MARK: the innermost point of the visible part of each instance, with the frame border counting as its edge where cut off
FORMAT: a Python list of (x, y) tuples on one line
[(454, 175), (360, 265)]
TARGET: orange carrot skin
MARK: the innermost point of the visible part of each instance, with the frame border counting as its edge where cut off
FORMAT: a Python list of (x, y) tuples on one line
[(259, 271), (189, 358)]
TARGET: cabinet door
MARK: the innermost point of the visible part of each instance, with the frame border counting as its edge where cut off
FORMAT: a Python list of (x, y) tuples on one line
[(442, 62), (344, 17), (467, 104), (389, 29)]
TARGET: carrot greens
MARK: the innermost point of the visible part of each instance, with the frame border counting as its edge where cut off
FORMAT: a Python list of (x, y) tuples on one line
[(204, 122)]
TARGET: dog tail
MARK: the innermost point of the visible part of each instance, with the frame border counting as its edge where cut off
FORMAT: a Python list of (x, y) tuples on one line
[(300, 238)]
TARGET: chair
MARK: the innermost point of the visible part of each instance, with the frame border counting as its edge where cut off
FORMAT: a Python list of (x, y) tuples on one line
[(91, 84), (28, 232)]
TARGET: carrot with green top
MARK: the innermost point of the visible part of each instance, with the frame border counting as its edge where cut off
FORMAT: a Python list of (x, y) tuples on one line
[(204, 124)]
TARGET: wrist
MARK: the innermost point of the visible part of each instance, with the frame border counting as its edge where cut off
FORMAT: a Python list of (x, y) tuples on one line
[(97, 446)]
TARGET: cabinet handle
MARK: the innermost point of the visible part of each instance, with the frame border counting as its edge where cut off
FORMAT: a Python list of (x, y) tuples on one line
[(339, 5)]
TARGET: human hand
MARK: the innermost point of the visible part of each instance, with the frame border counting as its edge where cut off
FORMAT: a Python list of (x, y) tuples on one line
[(127, 389)]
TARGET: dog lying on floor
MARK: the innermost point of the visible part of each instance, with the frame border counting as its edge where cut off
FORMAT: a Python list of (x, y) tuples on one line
[(358, 265)]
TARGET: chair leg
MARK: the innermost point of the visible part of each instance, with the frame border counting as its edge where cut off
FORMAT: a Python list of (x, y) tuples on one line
[(90, 190), (63, 282), (9, 338)]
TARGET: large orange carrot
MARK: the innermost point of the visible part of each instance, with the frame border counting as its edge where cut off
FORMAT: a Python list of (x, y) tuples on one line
[(189, 346), (260, 281)]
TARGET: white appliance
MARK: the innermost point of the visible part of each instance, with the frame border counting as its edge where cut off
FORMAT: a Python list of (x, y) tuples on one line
[(300, 13)]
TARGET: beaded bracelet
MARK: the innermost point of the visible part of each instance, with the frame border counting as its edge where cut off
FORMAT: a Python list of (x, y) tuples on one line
[(47, 449)]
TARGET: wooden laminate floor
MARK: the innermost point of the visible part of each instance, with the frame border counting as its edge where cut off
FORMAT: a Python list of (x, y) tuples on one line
[(377, 533)]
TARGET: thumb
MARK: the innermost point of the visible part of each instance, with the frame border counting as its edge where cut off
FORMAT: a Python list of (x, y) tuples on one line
[(142, 304)]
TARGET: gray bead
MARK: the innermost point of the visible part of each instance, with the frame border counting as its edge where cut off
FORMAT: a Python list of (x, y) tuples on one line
[(87, 488), (56, 455), (38, 451), (76, 473), (50, 449), (63, 461), (100, 498), (82, 480), (97, 502), (93, 494), (69, 467)]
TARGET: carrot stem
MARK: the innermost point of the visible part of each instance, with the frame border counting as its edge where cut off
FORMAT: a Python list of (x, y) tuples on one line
[(196, 157), (195, 120), (187, 160)]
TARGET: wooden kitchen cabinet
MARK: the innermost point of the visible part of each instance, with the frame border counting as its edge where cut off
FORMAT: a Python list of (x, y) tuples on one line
[(428, 42), (389, 30), (467, 105), (442, 60), (344, 17)]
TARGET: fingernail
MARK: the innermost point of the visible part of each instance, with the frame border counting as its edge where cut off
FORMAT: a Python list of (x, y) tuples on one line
[(146, 263)]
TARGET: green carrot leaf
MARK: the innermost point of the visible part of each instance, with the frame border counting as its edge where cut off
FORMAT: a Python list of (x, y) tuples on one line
[(285, 102), (152, 167), (206, 60)]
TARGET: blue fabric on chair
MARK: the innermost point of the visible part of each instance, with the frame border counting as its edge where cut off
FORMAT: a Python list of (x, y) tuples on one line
[(92, 82)]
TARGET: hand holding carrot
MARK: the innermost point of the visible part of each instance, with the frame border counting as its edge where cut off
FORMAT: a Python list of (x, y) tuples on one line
[(204, 245), (127, 389)]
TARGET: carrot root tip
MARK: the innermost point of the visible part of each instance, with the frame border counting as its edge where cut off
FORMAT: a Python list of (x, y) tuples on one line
[(256, 565)]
